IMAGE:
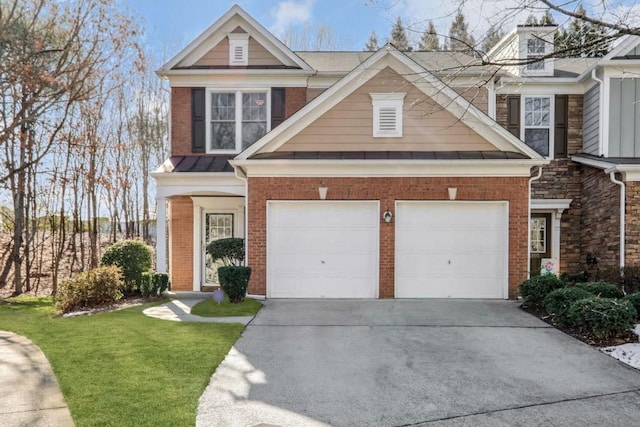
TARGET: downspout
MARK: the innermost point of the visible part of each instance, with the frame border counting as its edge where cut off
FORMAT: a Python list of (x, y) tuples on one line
[(612, 176), (601, 113), (533, 178)]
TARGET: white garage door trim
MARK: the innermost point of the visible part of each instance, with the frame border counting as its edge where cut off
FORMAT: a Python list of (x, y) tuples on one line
[(368, 224), (503, 240)]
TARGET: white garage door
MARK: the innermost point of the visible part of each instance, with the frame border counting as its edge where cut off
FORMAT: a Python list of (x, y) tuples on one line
[(322, 249), (451, 249)]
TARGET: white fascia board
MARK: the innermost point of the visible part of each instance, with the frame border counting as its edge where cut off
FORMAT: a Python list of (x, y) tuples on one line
[(627, 43), (238, 81), (502, 43), (565, 86), (622, 71), (387, 168), (189, 183), (550, 204), (600, 164), (630, 173)]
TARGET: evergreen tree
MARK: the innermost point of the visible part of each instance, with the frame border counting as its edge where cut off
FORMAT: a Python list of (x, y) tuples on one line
[(547, 19), (459, 38), (399, 36), (429, 40), (372, 44), (582, 39), (493, 36), (531, 20)]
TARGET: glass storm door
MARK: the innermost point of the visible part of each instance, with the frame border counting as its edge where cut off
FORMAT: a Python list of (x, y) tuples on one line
[(540, 241), (216, 226)]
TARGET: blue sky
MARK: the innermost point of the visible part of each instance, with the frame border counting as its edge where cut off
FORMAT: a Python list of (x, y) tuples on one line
[(171, 24)]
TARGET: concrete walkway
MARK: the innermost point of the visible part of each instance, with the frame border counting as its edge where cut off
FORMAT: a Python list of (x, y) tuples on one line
[(180, 311), (30, 392)]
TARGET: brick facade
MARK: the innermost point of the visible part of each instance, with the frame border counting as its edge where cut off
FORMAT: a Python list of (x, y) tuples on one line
[(295, 98), (632, 223), (561, 180), (387, 191), (181, 243)]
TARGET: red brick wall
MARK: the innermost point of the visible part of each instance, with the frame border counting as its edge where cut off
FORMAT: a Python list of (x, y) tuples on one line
[(180, 121), (181, 249), (387, 191), (561, 180), (600, 220), (295, 99)]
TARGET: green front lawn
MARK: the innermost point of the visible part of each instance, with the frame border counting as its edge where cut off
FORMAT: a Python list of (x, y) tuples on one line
[(124, 368), (209, 308)]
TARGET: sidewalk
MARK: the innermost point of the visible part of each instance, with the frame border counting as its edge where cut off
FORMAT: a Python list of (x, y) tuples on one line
[(30, 392), (179, 310)]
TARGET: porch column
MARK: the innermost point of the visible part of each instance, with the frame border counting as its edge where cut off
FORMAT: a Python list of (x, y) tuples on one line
[(161, 234), (555, 244)]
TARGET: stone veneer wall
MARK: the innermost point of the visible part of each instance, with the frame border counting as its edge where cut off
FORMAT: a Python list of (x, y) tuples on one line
[(632, 224), (561, 180)]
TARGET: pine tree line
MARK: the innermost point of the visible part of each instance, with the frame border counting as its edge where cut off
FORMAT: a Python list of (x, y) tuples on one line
[(579, 39)]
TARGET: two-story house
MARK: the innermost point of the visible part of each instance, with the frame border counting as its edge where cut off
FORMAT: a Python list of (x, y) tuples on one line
[(394, 174)]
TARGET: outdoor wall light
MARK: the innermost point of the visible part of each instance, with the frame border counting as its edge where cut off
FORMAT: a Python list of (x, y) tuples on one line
[(452, 193), (387, 216), (323, 192)]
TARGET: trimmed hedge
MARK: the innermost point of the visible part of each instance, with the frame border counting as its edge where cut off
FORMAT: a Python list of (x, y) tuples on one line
[(604, 317), (534, 290), (230, 250), (601, 289), (100, 286), (634, 300), (234, 280), (133, 257), (558, 302)]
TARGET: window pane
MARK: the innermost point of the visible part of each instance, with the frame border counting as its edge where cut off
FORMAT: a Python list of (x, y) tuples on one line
[(254, 106), (223, 106), (538, 139), (223, 136), (251, 132)]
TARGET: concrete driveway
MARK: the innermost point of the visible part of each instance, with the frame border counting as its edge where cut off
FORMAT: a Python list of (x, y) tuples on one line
[(412, 363)]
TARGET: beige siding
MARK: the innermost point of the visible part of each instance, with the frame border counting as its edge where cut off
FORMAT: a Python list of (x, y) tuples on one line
[(349, 125), (219, 55), (478, 96)]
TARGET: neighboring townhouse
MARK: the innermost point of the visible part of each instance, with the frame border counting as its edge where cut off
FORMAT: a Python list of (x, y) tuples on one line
[(395, 174)]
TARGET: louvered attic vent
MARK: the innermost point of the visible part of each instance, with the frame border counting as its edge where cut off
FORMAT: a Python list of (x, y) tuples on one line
[(387, 114), (238, 49)]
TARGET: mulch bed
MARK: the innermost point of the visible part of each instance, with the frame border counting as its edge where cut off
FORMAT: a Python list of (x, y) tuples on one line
[(581, 335)]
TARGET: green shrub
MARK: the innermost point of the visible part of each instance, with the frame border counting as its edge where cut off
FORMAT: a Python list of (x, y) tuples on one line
[(102, 285), (634, 300), (230, 251), (133, 257), (601, 289), (159, 283), (603, 317), (145, 284), (534, 290), (558, 301), (234, 281)]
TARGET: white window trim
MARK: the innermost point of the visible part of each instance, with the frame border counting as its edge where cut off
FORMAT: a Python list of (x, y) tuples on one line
[(238, 41), (387, 100), (551, 127), (547, 68), (238, 115)]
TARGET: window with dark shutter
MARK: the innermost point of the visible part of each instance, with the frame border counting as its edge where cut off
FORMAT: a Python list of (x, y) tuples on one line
[(278, 99), (198, 120), (561, 125), (513, 114)]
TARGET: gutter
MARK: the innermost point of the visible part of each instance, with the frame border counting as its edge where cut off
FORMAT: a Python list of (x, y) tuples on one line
[(612, 177), (533, 178)]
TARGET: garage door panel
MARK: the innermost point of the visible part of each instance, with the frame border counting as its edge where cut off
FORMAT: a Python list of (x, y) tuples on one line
[(322, 249), (451, 249)]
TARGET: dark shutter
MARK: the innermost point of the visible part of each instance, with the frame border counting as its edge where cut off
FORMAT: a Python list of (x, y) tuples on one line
[(198, 125), (277, 106), (561, 121), (513, 114)]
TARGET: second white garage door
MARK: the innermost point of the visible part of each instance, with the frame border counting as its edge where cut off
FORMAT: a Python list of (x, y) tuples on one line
[(322, 249), (451, 249)]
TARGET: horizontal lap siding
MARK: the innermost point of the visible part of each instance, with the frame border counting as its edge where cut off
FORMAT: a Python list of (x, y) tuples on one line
[(387, 191), (219, 55), (349, 125)]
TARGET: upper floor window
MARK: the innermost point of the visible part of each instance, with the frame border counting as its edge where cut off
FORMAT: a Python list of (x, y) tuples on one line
[(387, 114), (537, 123), (535, 51), (237, 119), (238, 49)]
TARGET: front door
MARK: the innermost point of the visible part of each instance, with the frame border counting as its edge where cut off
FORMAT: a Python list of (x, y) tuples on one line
[(216, 226), (540, 241)]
